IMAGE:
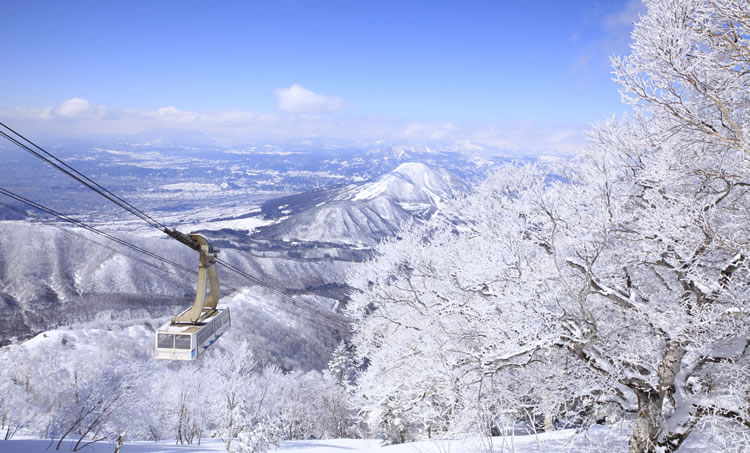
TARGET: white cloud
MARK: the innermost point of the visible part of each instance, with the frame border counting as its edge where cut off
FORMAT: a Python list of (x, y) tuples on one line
[(467, 145), (72, 108), (174, 115), (428, 131), (298, 99), (77, 117), (75, 108)]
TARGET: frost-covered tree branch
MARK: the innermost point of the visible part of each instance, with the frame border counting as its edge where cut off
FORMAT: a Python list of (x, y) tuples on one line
[(626, 267)]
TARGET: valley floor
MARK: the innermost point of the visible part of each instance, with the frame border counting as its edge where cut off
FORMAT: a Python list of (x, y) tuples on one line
[(598, 439)]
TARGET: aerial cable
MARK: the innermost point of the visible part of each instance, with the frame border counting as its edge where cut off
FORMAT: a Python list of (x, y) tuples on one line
[(80, 236), (98, 232), (101, 190), (96, 187), (78, 176), (254, 279), (92, 229), (45, 209), (315, 315)]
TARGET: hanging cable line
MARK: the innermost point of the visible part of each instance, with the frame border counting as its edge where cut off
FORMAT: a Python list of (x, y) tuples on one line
[(78, 176), (14, 196), (97, 231), (251, 278), (60, 165), (92, 229), (315, 317), (80, 236)]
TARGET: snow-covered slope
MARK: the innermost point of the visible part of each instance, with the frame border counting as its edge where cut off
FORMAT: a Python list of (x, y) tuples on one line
[(596, 439), (363, 214), (52, 276), (412, 185), (293, 334), (342, 221)]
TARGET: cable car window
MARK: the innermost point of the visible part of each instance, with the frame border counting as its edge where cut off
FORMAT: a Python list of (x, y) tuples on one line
[(203, 336), (165, 340), (182, 341)]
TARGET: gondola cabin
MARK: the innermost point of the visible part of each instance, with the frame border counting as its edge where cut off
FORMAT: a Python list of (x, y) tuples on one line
[(191, 332), (188, 341)]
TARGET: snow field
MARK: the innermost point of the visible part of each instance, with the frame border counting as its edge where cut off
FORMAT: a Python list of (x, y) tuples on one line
[(599, 439)]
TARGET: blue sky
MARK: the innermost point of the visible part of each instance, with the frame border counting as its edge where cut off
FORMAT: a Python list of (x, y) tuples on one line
[(493, 74)]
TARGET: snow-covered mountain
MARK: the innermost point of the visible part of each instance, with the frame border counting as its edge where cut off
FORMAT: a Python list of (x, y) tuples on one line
[(51, 276), (412, 185), (363, 214)]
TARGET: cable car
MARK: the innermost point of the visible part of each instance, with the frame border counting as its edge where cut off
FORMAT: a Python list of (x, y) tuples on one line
[(183, 341), (191, 332)]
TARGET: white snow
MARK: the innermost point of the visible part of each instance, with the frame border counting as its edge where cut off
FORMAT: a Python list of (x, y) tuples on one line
[(248, 223), (192, 187), (410, 184), (372, 190), (597, 439), (88, 339)]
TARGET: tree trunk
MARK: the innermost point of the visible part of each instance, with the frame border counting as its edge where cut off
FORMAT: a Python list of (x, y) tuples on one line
[(648, 425), (119, 443), (72, 427)]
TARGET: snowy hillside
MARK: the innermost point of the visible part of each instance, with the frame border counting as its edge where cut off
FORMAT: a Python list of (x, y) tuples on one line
[(412, 185), (343, 221), (53, 276), (363, 214), (290, 335)]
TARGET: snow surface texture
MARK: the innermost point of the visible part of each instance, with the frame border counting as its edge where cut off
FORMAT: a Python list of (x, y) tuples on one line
[(598, 439)]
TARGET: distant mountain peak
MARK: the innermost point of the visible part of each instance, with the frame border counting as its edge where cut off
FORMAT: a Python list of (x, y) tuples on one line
[(412, 167), (411, 183), (367, 212)]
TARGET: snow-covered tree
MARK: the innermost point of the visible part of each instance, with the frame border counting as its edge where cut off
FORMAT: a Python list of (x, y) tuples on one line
[(337, 409), (624, 273), (340, 366), (183, 395), (258, 439), (689, 72), (91, 399), (20, 402), (231, 374)]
